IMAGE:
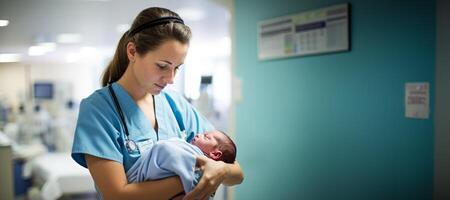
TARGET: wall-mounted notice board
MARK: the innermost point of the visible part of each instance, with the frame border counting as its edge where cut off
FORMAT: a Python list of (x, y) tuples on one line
[(317, 31)]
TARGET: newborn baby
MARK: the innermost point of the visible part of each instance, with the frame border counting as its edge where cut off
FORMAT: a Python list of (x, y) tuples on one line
[(175, 156)]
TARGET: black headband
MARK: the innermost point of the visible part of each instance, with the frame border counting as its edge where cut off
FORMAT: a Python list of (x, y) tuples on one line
[(159, 21)]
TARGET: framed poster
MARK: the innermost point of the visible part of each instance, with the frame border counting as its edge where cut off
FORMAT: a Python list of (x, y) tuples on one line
[(317, 31)]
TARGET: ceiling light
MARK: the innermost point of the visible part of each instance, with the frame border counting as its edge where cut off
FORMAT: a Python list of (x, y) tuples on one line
[(36, 51), (69, 38), (4, 22), (41, 49), (9, 57), (48, 46)]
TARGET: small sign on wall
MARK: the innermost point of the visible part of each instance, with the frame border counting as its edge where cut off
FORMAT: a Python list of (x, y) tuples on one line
[(417, 100)]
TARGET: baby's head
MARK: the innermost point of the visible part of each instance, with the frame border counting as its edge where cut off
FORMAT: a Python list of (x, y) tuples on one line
[(216, 145)]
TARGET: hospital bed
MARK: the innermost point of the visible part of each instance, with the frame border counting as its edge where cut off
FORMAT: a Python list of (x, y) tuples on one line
[(57, 174)]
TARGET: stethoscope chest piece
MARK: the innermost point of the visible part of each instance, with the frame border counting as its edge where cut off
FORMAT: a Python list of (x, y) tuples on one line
[(131, 145)]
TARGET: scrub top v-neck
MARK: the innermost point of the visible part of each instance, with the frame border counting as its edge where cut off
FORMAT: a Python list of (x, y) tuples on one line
[(100, 132)]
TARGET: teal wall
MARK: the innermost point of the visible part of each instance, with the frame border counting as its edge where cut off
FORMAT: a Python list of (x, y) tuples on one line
[(332, 126)]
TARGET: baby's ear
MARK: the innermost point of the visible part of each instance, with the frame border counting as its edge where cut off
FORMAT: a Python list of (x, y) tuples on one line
[(215, 154)]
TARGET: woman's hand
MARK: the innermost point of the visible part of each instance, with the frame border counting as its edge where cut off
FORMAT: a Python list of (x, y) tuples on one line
[(214, 173)]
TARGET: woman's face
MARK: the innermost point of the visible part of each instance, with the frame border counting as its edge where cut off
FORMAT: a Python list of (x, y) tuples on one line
[(156, 69)]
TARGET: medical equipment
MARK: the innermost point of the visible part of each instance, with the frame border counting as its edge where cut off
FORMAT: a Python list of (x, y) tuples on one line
[(5, 111), (43, 90), (129, 144), (63, 127), (29, 126)]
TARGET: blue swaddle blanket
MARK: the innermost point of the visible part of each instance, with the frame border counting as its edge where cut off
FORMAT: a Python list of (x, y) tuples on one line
[(167, 158)]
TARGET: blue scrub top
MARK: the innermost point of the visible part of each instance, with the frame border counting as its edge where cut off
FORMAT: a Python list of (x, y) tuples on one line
[(99, 131)]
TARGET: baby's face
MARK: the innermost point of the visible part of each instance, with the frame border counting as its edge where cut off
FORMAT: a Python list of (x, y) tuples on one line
[(209, 141)]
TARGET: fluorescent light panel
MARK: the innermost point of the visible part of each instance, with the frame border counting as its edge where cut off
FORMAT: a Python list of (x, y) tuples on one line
[(69, 38), (4, 22), (9, 57), (41, 49)]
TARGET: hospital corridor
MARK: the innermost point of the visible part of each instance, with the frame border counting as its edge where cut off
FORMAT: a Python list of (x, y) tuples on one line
[(224, 99)]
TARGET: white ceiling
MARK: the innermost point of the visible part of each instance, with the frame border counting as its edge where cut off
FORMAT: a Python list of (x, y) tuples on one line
[(33, 21)]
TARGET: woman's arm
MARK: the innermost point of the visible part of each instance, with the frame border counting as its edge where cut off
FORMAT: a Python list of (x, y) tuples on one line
[(236, 175), (110, 178), (215, 173)]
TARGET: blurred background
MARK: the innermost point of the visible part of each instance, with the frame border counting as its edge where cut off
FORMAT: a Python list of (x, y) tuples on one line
[(317, 127), (52, 55)]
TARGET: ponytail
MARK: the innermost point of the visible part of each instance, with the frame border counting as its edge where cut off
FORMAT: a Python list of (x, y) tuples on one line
[(116, 68)]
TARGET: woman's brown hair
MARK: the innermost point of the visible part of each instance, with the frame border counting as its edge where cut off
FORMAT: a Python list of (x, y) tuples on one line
[(146, 40)]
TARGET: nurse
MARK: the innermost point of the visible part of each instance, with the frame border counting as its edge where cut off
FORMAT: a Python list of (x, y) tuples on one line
[(133, 111)]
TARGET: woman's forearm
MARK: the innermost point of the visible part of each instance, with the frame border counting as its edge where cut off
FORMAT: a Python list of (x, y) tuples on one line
[(236, 176), (110, 178), (159, 189)]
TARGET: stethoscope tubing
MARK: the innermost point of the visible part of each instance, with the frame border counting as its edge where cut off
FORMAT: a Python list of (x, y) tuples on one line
[(129, 144)]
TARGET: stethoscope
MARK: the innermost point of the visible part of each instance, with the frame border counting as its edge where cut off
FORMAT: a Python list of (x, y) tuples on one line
[(129, 144)]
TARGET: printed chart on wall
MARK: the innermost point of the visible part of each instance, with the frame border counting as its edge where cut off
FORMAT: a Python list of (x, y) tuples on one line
[(318, 31), (417, 100)]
